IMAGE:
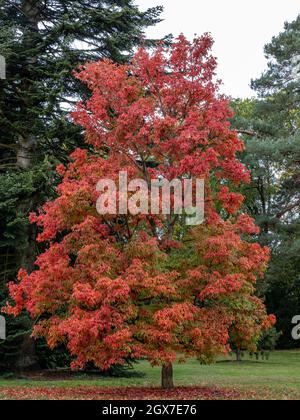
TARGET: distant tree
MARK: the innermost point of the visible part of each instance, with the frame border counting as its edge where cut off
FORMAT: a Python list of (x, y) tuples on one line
[(271, 129), (279, 85), (250, 328)]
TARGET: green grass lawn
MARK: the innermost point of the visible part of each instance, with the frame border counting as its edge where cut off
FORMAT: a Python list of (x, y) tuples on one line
[(278, 377)]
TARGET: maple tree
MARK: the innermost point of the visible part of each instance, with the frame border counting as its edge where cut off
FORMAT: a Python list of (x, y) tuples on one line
[(118, 287)]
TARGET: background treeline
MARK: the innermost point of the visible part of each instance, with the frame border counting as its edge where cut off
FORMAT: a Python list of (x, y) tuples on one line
[(43, 42), (271, 128)]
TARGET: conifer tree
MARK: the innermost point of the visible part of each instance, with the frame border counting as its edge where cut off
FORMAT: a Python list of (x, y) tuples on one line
[(272, 122), (43, 41)]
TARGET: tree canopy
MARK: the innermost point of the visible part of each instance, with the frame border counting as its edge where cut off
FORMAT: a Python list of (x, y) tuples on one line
[(129, 286)]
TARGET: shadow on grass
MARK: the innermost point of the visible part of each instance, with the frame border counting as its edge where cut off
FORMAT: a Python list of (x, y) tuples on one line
[(67, 374), (235, 363)]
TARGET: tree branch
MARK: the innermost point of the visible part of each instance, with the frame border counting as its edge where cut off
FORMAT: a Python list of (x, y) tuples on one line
[(288, 209)]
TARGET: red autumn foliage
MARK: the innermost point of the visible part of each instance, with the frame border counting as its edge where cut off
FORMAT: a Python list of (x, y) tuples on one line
[(111, 394), (115, 287), (137, 394)]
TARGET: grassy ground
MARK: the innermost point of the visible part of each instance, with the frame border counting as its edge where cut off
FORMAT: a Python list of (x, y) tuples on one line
[(277, 378)]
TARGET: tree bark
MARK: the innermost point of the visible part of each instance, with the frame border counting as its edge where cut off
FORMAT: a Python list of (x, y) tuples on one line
[(167, 376), (238, 355), (28, 141), (27, 359), (25, 151)]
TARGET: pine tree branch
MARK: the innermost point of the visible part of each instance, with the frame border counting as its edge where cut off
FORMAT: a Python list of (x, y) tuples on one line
[(288, 209), (249, 133)]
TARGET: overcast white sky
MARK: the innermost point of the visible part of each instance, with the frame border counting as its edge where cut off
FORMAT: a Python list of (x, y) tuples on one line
[(240, 28)]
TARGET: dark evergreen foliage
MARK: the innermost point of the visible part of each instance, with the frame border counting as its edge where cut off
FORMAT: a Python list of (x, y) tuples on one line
[(272, 123), (43, 42)]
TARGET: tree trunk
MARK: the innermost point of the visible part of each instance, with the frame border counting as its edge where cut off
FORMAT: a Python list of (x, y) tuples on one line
[(167, 376), (25, 151), (238, 355), (28, 141), (27, 359), (26, 145)]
